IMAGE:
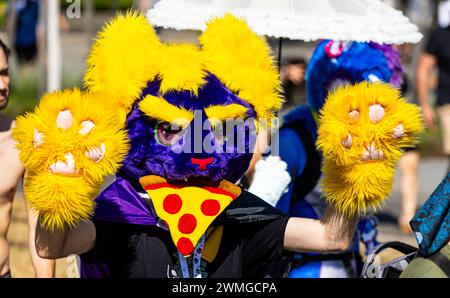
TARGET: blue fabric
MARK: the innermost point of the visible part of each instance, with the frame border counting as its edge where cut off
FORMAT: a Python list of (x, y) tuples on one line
[(308, 270), (355, 64), (292, 150), (304, 114), (293, 153), (304, 209), (432, 223)]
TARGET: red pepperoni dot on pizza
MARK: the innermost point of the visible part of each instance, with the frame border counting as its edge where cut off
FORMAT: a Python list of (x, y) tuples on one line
[(185, 246), (187, 223), (210, 207), (172, 203)]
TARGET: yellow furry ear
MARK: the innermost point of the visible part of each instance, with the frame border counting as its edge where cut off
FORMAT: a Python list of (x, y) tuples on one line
[(123, 59), (181, 68), (243, 62)]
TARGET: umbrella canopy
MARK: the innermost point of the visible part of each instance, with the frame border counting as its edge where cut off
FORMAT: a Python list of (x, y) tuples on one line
[(343, 20)]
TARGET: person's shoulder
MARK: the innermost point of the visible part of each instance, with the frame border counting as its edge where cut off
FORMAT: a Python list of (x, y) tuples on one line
[(9, 155), (7, 143)]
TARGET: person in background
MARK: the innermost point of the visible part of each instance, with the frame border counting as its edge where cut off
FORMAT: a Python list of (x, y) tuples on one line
[(25, 44), (436, 55), (294, 87), (11, 170), (144, 5)]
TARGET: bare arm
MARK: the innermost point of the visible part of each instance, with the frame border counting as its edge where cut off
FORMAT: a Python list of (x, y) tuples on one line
[(427, 63), (62, 243), (42, 268), (331, 234)]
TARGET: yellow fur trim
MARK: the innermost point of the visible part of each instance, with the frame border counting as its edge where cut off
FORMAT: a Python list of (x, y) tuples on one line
[(158, 108), (217, 114), (243, 62), (181, 68), (124, 57), (357, 189), (63, 198), (61, 201), (351, 184)]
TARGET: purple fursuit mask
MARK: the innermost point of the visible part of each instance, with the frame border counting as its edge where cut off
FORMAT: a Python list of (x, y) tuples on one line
[(182, 161), (230, 155)]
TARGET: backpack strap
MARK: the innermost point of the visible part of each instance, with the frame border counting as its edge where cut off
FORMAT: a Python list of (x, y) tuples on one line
[(441, 261)]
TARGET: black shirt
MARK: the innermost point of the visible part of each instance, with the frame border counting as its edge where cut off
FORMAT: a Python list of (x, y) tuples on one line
[(251, 246), (439, 46)]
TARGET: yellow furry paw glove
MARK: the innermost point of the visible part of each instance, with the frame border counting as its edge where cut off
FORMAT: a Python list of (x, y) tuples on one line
[(68, 146), (362, 133)]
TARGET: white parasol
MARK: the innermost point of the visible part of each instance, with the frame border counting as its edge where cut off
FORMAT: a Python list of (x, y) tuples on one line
[(308, 20)]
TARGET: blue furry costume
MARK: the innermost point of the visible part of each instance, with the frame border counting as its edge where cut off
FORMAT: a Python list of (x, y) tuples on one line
[(332, 64)]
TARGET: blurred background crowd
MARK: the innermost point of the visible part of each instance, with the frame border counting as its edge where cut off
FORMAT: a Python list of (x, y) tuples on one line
[(25, 28)]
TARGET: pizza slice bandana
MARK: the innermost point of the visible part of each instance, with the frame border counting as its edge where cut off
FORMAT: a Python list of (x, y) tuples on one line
[(188, 210)]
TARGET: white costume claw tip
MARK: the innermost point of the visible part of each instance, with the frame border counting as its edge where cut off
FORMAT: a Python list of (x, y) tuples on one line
[(86, 127), (96, 154), (347, 142), (371, 152), (376, 113), (354, 114), (399, 131), (38, 138), (64, 119), (66, 167)]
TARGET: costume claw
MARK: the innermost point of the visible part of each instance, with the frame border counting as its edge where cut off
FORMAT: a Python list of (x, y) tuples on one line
[(64, 167), (64, 119), (38, 138), (86, 127), (376, 113), (399, 131), (96, 153), (372, 153), (354, 114), (347, 142)]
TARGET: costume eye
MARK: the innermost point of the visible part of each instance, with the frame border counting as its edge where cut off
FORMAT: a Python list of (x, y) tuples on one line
[(167, 133)]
